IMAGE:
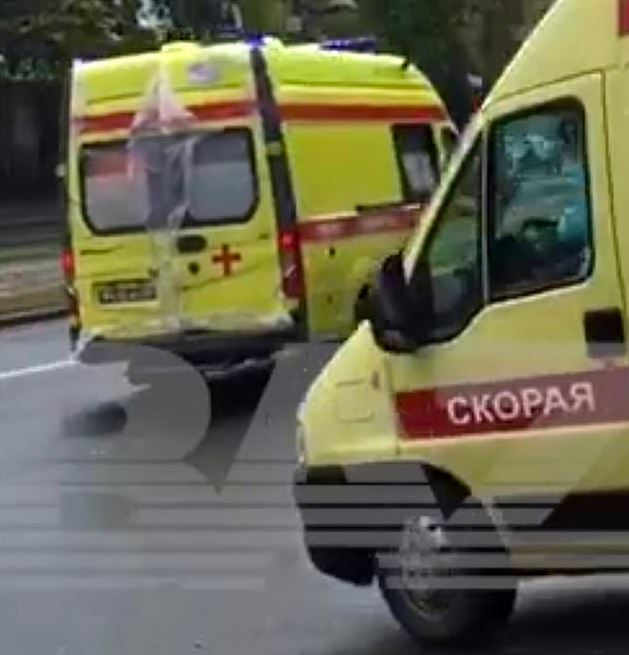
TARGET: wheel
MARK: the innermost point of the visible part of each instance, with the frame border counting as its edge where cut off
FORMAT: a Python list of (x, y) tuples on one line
[(432, 587)]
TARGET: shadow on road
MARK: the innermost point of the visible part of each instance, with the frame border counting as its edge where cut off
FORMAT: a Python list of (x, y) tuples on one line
[(103, 420), (233, 404), (575, 621)]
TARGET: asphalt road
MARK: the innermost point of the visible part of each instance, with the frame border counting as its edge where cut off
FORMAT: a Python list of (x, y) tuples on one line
[(127, 529)]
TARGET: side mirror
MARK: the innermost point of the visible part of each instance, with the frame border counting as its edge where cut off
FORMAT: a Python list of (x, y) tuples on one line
[(393, 317)]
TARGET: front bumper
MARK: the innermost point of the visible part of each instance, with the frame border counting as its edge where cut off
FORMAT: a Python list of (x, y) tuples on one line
[(318, 493)]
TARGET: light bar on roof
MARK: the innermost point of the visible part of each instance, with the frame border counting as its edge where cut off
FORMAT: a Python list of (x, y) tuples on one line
[(256, 40), (362, 44)]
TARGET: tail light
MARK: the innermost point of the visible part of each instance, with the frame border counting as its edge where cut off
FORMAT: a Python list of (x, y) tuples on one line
[(67, 265), (291, 265)]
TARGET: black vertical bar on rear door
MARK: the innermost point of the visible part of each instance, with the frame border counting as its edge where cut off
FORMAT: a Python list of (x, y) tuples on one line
[(279, 169), (277, 158)]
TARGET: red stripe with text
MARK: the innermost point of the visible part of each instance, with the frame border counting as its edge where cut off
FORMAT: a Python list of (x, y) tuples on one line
[(537, 403)]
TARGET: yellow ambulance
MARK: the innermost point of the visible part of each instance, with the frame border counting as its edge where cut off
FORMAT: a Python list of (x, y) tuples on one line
[(226, 199), (475, 430)]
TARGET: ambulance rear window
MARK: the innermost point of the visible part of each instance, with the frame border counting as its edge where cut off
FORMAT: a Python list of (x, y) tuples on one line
[(182, 180), (222, 178), (417, 157)]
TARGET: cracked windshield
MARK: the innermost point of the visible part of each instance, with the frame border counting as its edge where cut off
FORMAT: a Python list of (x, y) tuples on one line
[(314, 327)]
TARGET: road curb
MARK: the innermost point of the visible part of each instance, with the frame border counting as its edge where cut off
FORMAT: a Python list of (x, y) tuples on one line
[(36, 316)]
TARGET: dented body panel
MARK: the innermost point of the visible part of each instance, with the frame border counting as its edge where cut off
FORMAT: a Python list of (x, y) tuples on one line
[(225, 189)]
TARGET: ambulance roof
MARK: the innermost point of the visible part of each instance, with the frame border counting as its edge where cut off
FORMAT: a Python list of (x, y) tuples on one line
[(192, 67), (575, 37)]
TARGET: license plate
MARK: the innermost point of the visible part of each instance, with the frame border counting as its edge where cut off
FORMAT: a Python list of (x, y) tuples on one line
[(126, 291)]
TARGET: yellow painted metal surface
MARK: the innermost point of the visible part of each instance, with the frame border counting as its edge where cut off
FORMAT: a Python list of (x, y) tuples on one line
[(334, 165), (538, 338)]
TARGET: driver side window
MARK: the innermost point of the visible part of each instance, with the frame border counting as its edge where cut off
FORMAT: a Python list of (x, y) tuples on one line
[(540, 234)]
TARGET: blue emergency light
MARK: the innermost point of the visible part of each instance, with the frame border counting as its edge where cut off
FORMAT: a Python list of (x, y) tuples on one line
[(360, 44), (256, 40)]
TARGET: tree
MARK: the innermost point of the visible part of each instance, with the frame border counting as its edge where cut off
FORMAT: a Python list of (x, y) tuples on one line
[(65, 29), (449, 39), (271, 17), (201, 19), (506, 24), (208, 18), (429, 33)]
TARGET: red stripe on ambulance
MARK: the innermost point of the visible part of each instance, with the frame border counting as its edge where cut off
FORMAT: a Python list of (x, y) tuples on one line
[(363, 113), (346, 227), (514, 405), (290, 112), (202, 113)]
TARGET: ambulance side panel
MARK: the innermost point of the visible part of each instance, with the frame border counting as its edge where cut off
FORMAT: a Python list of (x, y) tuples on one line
[(336, 168), (618, 112), (349, 181), (536, 345)]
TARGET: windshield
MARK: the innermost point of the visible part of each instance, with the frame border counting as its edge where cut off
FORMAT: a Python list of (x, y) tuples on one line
[(156, 181)]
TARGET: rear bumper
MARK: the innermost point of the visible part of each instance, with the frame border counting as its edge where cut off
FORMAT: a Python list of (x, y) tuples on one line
[(203, 348)]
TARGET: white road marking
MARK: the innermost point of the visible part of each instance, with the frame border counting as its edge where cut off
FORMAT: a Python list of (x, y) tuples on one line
[(35, 370)]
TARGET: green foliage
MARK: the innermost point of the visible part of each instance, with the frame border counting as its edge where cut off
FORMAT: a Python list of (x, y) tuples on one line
[(268, 17), (318, 17), (430, 34), (64, 29), (424, 30), (31, 69), (434, 33)]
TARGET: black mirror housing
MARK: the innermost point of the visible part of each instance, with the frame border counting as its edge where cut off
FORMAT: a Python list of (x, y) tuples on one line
[(392, 316)]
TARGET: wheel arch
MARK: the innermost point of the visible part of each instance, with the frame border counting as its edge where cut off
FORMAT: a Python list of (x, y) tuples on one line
[(357, 564)]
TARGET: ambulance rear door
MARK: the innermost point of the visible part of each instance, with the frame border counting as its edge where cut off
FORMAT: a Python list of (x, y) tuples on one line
[(188, 188)]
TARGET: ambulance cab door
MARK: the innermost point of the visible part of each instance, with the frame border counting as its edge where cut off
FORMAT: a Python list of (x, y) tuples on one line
[(520, 386)]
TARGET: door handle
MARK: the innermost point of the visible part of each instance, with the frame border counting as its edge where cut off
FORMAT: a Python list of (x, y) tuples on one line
[(605, 333), (191, 243)]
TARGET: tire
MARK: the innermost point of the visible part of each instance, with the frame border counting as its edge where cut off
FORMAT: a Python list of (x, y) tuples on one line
[(460, 614)]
